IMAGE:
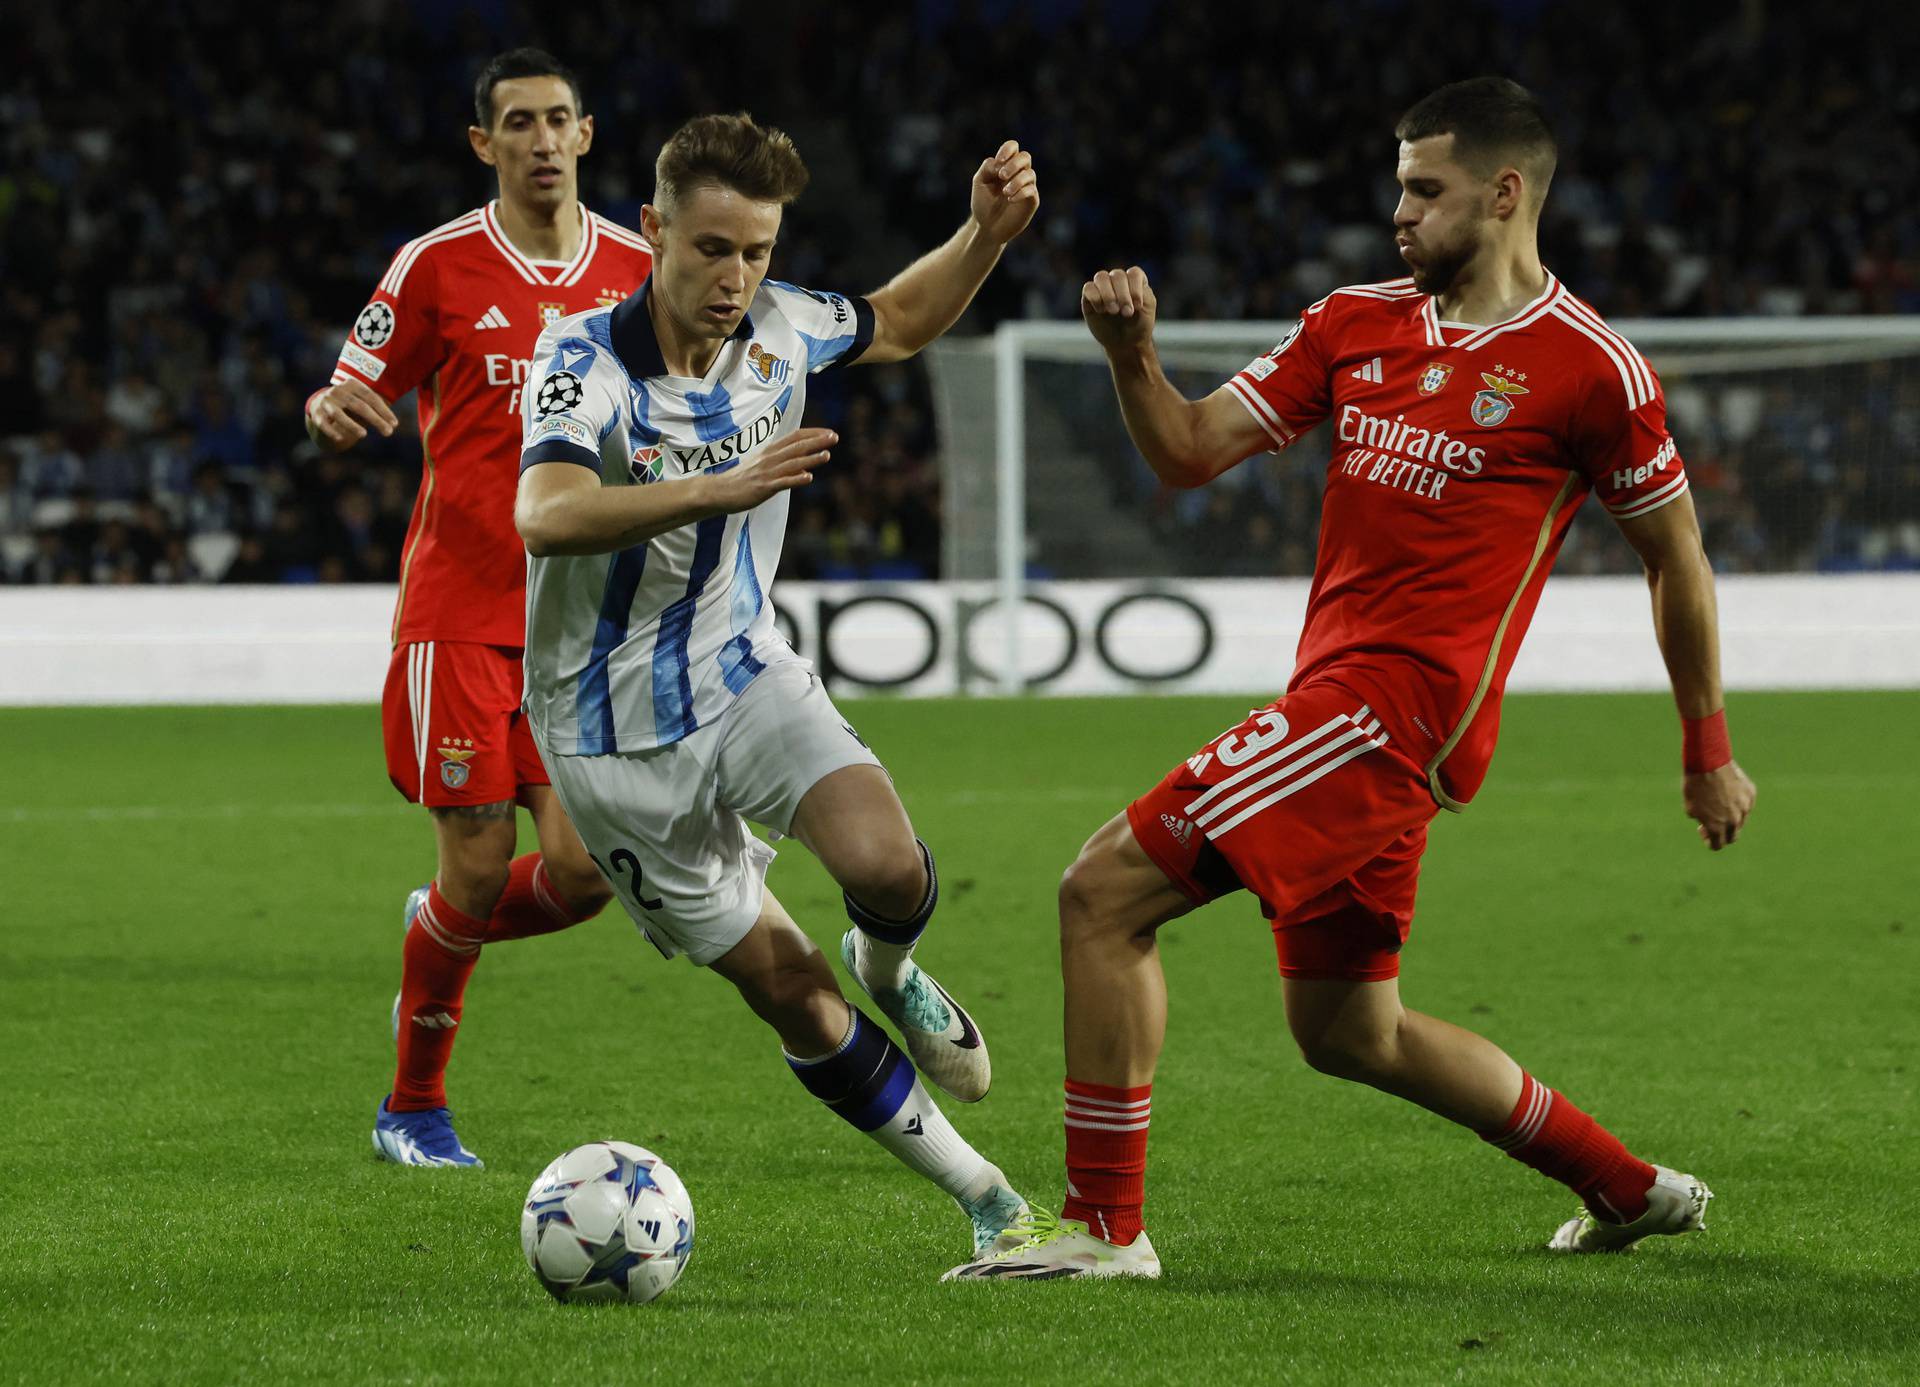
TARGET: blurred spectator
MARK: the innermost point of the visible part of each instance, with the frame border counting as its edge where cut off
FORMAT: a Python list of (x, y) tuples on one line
[(165, 307)]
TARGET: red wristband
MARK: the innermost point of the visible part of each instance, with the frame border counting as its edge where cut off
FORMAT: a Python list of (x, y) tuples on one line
[(1703, 743)]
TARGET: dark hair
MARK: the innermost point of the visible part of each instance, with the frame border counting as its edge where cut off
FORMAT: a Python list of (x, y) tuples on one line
[(519, 62), (1494, 122), (756, 161)]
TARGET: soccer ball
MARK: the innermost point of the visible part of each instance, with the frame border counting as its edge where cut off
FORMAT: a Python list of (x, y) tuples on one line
[(607, 1221)]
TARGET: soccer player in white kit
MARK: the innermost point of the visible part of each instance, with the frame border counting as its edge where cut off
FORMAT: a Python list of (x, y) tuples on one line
[(662, 436)]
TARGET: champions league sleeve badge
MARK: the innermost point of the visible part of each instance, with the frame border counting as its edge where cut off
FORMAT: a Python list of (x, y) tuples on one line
[(374, 326), (559, 393)]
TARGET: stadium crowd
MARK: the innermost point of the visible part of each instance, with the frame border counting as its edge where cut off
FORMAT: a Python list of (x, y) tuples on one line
[(191, 212)]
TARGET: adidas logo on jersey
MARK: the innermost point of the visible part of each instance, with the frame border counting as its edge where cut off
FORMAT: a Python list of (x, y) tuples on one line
[(493, 317), (1371, 371), (1179, 828)]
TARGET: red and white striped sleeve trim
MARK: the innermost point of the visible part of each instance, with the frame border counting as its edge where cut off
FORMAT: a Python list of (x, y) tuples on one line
[(1262, 412), (1648, 501)]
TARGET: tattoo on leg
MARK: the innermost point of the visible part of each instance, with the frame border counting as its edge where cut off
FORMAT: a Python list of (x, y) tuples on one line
[(503, 809)]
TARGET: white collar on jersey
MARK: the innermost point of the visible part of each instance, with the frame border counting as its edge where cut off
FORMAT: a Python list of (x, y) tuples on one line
[(1478, 335), (566, 274)]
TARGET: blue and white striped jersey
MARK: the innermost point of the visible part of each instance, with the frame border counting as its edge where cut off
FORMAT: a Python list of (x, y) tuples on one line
[(636, 649)]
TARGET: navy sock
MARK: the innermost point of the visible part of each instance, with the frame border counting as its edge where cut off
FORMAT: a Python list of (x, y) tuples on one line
[(901, 934), (865, 1081)]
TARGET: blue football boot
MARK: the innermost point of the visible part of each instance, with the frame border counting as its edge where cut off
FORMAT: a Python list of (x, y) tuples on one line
[(420, 1138)]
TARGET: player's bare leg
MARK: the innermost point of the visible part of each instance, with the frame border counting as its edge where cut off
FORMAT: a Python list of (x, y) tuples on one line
[(475, 844), (1360, 1031), (1113, 901), (855, 824), (568, 868), (848, 1063)]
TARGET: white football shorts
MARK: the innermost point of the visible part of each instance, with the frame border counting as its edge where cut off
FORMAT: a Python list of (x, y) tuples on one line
[(668, 826)]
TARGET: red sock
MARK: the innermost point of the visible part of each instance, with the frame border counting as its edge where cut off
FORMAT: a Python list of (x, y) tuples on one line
[(1107, 1158), (439, 955), (530, 905), (1548, 1133)]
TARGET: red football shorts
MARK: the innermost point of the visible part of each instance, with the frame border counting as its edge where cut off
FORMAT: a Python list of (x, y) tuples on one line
[(454, 730), (1310, 806)]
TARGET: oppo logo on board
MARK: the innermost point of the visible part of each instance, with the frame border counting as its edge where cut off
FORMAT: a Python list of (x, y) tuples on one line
[(893, 638)]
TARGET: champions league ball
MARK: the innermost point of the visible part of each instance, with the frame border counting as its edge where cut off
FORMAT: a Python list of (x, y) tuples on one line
[(607, 1221)]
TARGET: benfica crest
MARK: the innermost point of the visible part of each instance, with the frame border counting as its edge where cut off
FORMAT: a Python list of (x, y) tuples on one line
[(1492, 405), (551, 313), (1434, 379), (454, 769)]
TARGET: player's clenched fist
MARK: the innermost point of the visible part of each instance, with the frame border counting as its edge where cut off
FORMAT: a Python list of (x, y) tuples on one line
[(1006, 193), (786, 465), (1119, 307), (1719, 801), (339, 416)]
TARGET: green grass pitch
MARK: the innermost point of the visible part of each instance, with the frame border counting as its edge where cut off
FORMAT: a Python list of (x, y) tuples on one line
[(199, 936)]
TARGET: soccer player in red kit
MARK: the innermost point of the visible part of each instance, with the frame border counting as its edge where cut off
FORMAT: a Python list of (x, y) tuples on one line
[(1474, 405), (456, 317)]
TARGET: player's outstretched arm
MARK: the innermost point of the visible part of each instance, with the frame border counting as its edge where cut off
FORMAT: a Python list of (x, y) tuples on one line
[(562, 508), (928, 297), (339, 416), (1186, 442), (1717, 794)]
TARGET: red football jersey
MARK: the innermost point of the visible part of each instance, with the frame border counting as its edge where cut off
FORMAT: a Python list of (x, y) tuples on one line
[(457, 315), (1460, 454)]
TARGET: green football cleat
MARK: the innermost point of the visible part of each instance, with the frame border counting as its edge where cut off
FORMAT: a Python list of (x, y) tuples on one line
[(994, 1215), (1676, 1204), (1040, 1247)]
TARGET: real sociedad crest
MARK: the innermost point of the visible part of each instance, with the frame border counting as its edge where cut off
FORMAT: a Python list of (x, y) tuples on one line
[(765, 364), (1492, 405)]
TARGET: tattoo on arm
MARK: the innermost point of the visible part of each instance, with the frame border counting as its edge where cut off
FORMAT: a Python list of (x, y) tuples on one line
[(501, 810)]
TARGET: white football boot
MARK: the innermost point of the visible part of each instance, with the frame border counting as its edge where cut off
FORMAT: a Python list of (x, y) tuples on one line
[(1676, 1204), (1040, 1247), (939, 1036)]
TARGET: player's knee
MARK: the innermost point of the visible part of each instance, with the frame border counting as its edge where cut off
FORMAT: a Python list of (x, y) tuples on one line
[(578, 881), (473, 884), (890, 879), (1085, 892), (1361, 1053)]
